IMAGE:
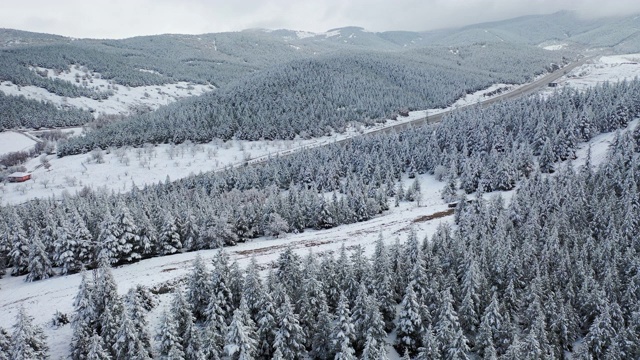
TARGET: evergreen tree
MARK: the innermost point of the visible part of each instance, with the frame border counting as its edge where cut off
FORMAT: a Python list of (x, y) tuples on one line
[(409, 326), (137, 315), (28, 341), (168, 338), (83, 321), (66, 249), (253, 289), (199, 288), (239, 342), (96, 349), (343, 333), (5, 344), (448, 330), (39, 263), (320, 346), (430, 349), (290, 338), (19, 253), (169, 239), (266, 323), (345, 351), (128, 344), (129, 243), (601, 334), (108, 246)]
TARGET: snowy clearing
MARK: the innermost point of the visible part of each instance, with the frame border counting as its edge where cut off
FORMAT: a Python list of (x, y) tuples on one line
[(612, 68), (11, 141), (124, 100)]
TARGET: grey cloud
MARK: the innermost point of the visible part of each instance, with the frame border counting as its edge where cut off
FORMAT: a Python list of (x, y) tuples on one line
[(125, 18)]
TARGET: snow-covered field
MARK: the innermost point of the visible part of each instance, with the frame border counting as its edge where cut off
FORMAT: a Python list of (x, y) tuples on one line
[(121, 168), (124, 100), (11, 141), (612, 68)]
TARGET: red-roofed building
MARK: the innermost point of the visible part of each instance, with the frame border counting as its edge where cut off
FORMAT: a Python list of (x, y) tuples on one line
[(19, 177)]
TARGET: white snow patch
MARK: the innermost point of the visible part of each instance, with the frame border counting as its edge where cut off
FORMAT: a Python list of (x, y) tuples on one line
[(124, 100), (332, 33), (12, 141), (305, 34), (599, 146), (554, 47), (153, 71)]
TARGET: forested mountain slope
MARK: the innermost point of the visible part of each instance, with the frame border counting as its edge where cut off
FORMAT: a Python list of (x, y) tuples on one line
[(226, 60), (486, 149), (323, 94)]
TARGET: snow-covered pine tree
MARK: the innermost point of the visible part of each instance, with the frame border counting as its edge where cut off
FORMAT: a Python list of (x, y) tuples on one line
[(97, 349), (128, 344), (108, 246), (19, 253), (290, 338), (253, 289), (168, 339), (5, 344), (266, 323), (409, 326), (39, 264), (130, 247), (169, 238), (138, 316), (430, 349), (240, 344), (448, 330), (343, 331), (28, 341), (83, 321), (199, 288), (321, 346), (66, 249)]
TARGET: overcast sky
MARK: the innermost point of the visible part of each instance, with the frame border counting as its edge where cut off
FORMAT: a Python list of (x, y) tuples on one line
[(126, 18)]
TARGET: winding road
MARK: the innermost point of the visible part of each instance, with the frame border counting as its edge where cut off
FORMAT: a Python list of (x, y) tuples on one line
[(524, 90)]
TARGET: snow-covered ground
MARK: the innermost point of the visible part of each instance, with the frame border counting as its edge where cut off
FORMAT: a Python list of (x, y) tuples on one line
[(124, 100), (12, 141), (612, 68), (120, 168)]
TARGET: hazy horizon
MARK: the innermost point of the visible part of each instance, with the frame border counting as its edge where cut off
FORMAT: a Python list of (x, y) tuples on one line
[(119, 19)]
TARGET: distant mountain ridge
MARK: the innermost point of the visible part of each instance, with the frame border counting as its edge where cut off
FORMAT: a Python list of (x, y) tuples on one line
[(230, 60)]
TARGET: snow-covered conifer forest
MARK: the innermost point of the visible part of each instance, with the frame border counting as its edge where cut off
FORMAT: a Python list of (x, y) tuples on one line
[(506, 230)]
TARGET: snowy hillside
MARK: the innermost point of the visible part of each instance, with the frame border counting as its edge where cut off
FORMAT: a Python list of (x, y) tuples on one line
[(122, 100), (11, 141), (121, 168)]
